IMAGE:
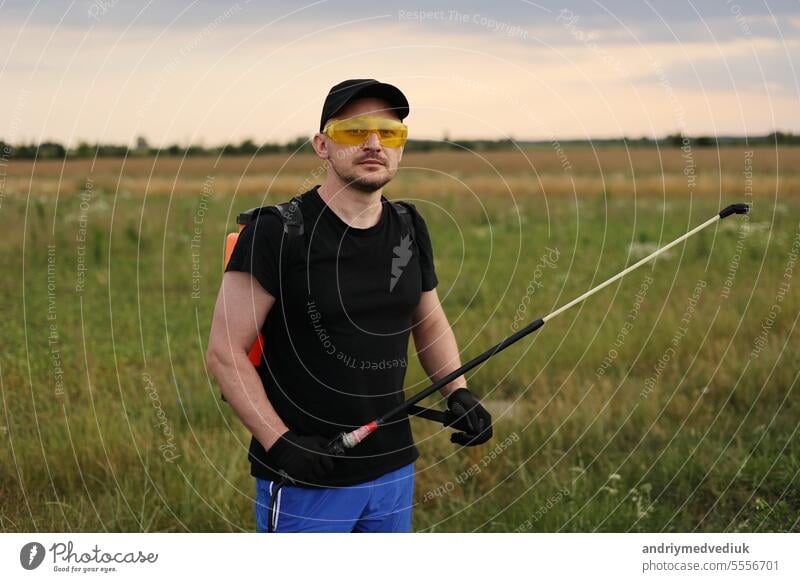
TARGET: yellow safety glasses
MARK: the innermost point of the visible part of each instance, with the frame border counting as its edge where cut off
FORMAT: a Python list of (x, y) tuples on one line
[(355, 130)]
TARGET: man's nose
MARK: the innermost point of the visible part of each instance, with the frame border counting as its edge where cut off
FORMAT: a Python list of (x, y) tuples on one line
[(372, 143)]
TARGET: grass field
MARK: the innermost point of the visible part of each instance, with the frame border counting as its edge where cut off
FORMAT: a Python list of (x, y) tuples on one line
[(664, 403)]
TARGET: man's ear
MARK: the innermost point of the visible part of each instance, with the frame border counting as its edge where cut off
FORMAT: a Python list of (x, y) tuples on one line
[(320, 146)]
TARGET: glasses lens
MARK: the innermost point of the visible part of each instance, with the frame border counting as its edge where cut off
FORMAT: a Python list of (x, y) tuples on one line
[(356, 130)]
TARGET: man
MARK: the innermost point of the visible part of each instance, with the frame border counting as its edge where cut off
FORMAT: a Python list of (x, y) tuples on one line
[(335, 321)]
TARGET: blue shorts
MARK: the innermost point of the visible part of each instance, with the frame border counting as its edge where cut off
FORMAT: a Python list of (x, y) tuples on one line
[(381, 505)]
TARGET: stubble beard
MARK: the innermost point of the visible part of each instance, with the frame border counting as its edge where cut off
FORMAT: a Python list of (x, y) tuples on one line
[(367, 184)]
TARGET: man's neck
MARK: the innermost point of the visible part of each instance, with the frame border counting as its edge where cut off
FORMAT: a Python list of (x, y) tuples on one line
[(356, 208)]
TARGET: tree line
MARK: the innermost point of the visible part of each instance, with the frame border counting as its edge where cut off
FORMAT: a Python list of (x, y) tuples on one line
[(248, 147)]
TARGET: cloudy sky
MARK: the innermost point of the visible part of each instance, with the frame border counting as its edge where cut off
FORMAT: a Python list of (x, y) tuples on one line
[(212, 71)]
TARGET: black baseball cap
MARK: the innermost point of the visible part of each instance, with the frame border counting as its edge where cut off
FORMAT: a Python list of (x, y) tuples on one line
[(346, 91)]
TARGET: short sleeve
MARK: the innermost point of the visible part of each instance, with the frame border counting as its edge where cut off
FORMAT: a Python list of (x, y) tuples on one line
[(423, 240), (256, 252)]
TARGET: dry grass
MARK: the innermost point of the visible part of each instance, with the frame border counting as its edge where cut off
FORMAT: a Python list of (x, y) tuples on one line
[(637, 171)]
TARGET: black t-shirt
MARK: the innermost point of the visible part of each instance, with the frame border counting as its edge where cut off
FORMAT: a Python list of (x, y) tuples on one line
[(336, 339)]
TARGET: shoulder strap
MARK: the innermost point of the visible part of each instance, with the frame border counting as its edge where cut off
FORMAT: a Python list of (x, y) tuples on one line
[(289, 213), (404, 209), (294, 248), (292, 217)]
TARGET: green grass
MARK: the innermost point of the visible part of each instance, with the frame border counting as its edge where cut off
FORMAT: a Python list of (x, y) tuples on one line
[(713, 446)]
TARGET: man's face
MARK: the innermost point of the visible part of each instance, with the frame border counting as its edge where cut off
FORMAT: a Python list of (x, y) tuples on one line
[(366, 167)]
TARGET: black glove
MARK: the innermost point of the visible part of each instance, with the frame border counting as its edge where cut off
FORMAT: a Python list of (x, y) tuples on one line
[(303, 458), (472, 418)]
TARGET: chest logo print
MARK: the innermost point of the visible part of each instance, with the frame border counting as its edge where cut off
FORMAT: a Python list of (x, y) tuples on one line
[(402, 254)]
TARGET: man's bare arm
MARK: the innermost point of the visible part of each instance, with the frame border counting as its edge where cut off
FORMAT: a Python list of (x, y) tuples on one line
[(435, 342), (241, 309)]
